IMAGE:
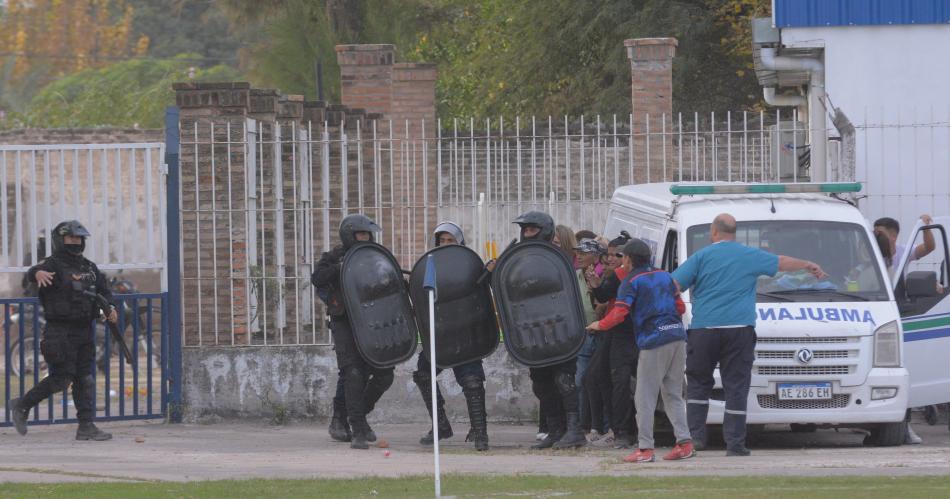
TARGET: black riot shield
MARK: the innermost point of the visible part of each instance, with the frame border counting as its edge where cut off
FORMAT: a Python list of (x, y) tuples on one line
[(539, 304), (465, 325), (377, 305)]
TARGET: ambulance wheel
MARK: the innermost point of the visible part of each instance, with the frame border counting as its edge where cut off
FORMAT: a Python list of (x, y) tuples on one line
[(889, 434), (930, 414)]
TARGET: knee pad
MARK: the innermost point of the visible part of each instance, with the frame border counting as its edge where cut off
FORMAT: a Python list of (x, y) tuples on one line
[(354, 372), (565, 383), (383, 378), (87, 382), (471, 383)]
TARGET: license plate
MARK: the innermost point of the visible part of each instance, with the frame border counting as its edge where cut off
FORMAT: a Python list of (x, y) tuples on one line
[(804, 391)]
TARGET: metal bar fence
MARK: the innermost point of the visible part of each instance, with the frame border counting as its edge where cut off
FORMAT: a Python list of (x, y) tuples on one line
[(261, 201), (122, 391)]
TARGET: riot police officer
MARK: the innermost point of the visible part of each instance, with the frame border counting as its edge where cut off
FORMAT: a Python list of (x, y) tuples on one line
[(470, 376), (554, 385), (363, 385), (65, 281)]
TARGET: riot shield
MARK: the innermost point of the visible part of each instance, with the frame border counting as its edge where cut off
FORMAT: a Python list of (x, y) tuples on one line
[(377, 305), (539, 304), (465, 325)]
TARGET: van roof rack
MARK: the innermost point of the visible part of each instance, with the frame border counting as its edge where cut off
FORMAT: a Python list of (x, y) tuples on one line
[(744, 188)]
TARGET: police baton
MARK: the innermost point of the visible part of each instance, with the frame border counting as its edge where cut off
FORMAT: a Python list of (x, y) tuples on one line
[(105, 307)]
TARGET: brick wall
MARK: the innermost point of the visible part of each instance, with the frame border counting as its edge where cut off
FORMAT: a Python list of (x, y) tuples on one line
[(651, 68)]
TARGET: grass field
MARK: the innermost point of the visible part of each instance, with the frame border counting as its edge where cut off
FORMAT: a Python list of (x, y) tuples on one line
[(513, 486)]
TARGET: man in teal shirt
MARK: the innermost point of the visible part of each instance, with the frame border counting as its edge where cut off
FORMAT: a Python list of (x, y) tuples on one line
[(722, 279)]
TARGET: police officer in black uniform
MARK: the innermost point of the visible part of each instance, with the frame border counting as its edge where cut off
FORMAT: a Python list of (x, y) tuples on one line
[(363, 385), (554, 385), (470, 376), (64, 281)]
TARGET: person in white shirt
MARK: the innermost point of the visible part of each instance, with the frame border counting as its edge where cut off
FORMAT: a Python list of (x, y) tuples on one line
[(892, 229), (893, 256)]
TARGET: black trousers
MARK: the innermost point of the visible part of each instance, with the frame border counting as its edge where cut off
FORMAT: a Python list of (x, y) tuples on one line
[(598, 387), (70, 353), (734, 350), (554, 386), (623, 357), (362, 383)]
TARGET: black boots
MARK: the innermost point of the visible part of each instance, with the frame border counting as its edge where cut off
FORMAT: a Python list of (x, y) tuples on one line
[(361, 431), (555, 432), (88, 431), (474, 391), (574, 436), (423, 382), (339, 427), (19, 415), (445, 428)]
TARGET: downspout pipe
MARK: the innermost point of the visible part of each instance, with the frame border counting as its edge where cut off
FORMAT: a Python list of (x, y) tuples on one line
[(817, 126), (774, 99)]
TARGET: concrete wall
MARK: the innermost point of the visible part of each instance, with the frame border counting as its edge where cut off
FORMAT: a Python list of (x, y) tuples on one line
[(299, 382)]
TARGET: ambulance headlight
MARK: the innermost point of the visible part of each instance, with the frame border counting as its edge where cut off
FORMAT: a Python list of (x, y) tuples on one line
[(887, 347)]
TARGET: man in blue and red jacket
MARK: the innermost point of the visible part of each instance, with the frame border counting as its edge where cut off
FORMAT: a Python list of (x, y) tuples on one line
[(651, 300)]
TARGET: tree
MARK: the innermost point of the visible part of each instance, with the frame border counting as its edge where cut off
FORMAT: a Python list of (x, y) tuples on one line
[(187, 26), (41, 40), (515, 57), (129, 93)]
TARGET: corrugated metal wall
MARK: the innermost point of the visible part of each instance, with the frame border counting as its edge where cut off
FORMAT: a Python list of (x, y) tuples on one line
[(802, 13)]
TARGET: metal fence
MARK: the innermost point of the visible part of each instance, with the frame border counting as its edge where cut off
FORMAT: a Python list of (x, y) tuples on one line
[(261, 201), (116, 190), (123, 391)]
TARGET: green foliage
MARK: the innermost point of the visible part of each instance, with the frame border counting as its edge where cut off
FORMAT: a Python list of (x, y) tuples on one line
[(128, 93), (186, 26), (516, 57), (298, 33)]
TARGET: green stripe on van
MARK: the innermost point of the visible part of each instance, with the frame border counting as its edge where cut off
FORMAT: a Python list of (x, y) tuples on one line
[(927, 323)]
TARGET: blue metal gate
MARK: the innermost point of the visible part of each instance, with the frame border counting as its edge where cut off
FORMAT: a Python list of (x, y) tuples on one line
[(137, 185), (123, 391)]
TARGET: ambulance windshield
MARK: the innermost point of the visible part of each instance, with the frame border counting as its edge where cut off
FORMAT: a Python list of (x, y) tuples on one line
[(843, 250)]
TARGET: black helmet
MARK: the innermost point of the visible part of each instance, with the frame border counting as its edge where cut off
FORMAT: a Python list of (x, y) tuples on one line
[(351, 224), (69, 228), (638, 251), (537, 219), (451, 228)]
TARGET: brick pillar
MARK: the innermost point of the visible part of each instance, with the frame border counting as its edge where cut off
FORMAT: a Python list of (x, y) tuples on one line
[(413, 103), (207, 111), (651, 68), (366, 76)]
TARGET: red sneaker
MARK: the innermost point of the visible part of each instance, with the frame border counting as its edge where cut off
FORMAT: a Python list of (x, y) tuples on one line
[(681, 451), (640, 456)]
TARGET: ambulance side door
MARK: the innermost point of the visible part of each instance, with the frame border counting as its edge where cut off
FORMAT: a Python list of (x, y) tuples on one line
[(922, 293)]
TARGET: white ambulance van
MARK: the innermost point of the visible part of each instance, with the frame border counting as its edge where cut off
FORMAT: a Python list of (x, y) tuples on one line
[(831, 352)]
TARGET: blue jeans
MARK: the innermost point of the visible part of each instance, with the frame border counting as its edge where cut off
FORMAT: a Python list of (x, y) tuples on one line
[(583, 361)]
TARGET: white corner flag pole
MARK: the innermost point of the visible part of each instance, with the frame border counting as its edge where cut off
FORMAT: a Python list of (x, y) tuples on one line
[(435, 413), (429, 284)]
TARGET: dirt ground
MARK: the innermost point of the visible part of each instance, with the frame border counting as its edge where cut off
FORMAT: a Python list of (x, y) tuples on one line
[(243, 450)]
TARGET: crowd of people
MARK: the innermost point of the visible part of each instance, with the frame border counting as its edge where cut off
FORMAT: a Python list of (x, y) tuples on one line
[(634, 331)]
